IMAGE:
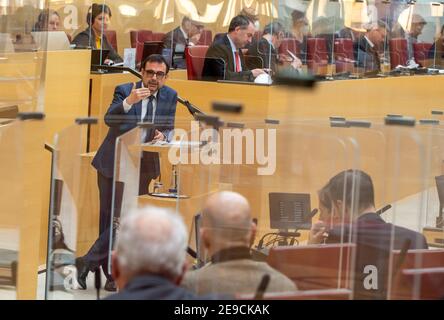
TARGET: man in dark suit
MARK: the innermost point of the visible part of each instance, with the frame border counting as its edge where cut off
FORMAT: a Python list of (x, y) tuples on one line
[(374, 238), (148, 100), (264, 54), (224, 59), (150, 256), (369, 46), (98, 19), (187, 34)]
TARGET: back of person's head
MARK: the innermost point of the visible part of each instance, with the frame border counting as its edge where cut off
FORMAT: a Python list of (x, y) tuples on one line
[(227, 217), (152, 241), (158, 58), (239, 21), (354, 188), (95, 10), (273, 28)]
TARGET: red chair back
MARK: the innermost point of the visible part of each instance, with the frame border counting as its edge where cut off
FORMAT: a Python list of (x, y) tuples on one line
[(112, 38), (398, 52), (314, 266), (195, 58), (291, 45), (317, 53), (205, 38), (421, 51), (158, 36), (138, 38), (344, 54)]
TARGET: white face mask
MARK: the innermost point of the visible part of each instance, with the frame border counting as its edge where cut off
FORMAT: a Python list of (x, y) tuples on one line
[(257, 25)]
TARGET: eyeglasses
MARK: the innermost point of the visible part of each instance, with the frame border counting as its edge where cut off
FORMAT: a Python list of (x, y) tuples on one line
[(159, 74)]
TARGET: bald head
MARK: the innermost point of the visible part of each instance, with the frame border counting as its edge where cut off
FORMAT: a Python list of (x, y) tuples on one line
[(228, 215)]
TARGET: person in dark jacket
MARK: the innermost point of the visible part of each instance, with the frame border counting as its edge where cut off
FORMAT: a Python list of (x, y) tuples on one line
[(148, 100), (150, 257), (224, 59), (98, 20), (348, 215)]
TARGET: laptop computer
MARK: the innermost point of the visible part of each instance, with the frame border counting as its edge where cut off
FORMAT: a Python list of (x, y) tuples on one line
[(152, 47), (51, 40)]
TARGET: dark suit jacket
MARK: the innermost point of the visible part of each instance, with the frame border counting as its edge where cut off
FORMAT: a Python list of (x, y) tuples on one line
[(365, 56), (431, 54), (151, 287), (373, 236), (266, 56), (83, 40), (120, 122), (173, 37), (219, 63)]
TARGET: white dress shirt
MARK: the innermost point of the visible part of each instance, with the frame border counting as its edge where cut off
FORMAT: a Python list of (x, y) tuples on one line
[(233, 47), (127, 107)]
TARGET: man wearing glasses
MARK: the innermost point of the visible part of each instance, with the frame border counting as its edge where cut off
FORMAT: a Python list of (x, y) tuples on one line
[(148, 100)]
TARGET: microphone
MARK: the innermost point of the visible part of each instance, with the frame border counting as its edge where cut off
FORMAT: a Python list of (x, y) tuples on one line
[(383, 209), (259, 295), (192, 109)]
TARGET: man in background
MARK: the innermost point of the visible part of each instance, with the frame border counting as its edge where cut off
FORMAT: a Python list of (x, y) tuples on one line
[(224, 59), (187, 34)]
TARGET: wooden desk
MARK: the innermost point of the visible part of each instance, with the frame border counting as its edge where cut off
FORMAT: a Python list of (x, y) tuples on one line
[(364, 98)]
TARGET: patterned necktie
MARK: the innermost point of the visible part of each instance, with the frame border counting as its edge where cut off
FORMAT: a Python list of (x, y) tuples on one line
[(237, 63), (149, 110)]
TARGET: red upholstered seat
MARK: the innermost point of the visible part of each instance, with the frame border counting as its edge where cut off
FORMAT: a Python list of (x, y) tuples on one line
[(158, 36), (344, 54), (317, 53), (398, 52), (138, 37), (291, 45), (112, 38), (421, 51), (205, 38), (195, 58)]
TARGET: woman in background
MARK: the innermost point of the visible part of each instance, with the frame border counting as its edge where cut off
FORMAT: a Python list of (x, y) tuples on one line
[(98, 20), (48, 20)]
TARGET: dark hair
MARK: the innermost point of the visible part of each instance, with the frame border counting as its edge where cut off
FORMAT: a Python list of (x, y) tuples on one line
[(239, 21), (43, 19), (297, 15), (155, 58), (273, 28), (95, 10), (348, 186)]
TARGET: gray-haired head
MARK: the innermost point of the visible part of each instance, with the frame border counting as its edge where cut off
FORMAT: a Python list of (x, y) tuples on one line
[(152, 240)]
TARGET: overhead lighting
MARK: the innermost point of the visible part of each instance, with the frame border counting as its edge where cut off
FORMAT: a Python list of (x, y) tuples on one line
[(126, 10)]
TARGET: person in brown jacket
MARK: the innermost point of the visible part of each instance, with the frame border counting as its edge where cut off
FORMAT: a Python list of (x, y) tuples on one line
[(226, 233)]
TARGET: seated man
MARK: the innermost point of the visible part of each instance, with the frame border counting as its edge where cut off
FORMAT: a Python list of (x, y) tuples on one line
[(226, 233), (224, 59), (149, 260), (412, 34), (368, 47), (187, 34), (374, 238), (265, 53)]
